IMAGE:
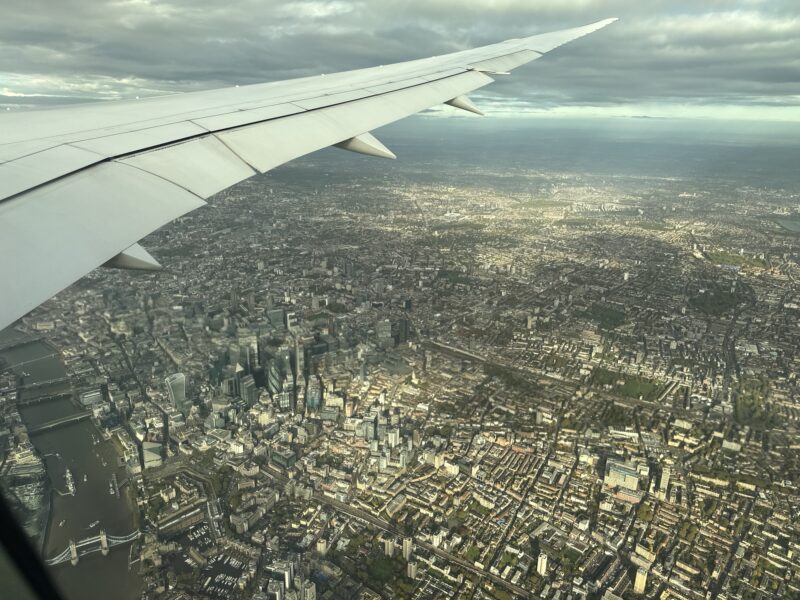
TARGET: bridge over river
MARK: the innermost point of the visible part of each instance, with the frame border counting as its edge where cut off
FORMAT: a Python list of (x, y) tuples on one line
[(16, 342), (99, 543), (55, 423), (44, 383)]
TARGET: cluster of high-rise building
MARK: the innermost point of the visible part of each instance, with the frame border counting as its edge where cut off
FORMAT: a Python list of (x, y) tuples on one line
[(579, 390)]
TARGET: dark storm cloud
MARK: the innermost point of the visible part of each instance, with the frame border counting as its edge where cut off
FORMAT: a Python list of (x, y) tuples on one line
[(677, 54)]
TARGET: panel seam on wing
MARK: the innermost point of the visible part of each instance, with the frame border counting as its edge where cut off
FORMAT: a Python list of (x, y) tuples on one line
[(138, 168), (236, 154)]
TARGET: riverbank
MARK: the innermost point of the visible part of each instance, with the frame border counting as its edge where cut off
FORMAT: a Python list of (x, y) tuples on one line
[(93, 463)]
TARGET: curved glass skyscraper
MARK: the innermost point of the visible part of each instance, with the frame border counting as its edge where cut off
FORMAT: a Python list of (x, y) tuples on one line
[(176, 387)]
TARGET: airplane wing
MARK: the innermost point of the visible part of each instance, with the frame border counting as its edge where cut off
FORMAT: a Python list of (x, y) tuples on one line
[(79, 186)]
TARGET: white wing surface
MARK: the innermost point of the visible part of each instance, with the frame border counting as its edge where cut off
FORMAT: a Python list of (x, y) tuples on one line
[(80, 186)]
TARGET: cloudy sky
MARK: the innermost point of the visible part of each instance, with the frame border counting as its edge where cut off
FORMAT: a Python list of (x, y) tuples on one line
[(736, 59)]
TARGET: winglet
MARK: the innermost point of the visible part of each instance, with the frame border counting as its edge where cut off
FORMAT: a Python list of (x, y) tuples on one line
[(136, 258), (368, 144)]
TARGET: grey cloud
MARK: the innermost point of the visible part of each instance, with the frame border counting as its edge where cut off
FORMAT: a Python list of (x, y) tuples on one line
[(741, 53)]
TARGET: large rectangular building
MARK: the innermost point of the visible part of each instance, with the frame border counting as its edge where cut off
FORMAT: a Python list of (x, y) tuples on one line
[(621, 474)]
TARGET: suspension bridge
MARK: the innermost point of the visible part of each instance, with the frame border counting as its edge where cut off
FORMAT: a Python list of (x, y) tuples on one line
[(100, 543)]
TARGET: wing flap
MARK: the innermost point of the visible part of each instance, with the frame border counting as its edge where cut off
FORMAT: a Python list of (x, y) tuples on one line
[(267, 145), (204, 166)]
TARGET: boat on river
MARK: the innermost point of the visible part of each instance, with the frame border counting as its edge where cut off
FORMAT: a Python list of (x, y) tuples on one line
[(70, 482)]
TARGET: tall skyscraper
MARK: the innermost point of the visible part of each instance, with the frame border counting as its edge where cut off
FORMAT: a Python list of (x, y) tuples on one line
[(541, 564), (299, 360), (248, 390), (313, 393), (274, 379), (248, 351), (176, 388), (285, 361), (640, 583), (408, 544), (384, 331), (664, 483), (394, 437), (231, 385), (286, 397), (403, 330), (234, 297)]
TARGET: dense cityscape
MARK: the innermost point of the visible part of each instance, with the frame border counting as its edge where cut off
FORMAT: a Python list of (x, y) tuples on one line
[(365, 384)]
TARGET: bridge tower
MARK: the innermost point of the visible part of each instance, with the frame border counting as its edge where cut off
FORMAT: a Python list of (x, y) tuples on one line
[(103, 543), (73, 553)]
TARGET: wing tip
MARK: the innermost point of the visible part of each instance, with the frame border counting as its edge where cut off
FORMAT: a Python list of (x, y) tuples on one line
[(579, 32), (598, 25)]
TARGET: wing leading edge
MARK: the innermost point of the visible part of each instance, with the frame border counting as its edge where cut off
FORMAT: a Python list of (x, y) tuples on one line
[(81, 185)]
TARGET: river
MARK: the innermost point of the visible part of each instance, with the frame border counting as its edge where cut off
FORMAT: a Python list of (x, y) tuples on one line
[(92, 461)]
